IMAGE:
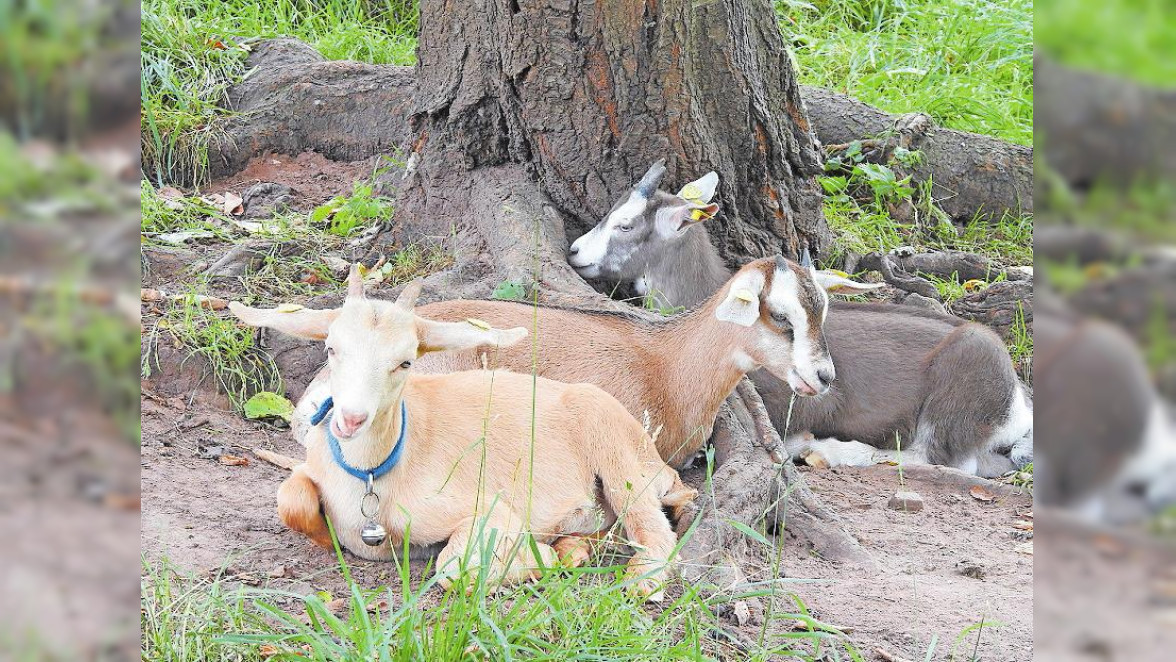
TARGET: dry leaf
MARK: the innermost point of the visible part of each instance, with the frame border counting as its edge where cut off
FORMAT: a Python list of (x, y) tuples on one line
[(267, 650), (337, 605), (1024, 548), (147, 294), (215, 44), (1023, 525), (233, 204), (278, 572), (234, 460), (170, 192), (980, 493)]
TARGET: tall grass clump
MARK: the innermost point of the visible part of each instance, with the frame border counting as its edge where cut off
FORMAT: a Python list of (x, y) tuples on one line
[(968, 63)]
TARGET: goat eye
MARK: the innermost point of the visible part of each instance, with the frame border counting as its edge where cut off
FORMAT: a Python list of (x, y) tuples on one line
[(626, 228), (406, 365)]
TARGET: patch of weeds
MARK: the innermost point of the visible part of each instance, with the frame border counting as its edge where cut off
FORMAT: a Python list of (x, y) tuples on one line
[(344, 214), (415, 261), (654, 301), (862, 200), (1022, 478), (283, 278), (188, 213), (1160, 346), (968, 63), (509, 290), (238, 365)]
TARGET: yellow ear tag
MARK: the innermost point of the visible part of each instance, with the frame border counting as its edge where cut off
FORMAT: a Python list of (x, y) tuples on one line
[(289, 308), (745, 296), (699, 214), (479, 324), (691, 193), (974, 285)]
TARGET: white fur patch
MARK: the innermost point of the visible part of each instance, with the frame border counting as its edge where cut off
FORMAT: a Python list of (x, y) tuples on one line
[(1017, 425), (743, 361)]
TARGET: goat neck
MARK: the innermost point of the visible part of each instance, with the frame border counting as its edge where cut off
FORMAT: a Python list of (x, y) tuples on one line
[(687, 276), (375, 444), (699, 361)]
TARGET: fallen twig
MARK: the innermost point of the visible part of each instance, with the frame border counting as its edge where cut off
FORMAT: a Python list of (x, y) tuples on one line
[(276, 459), (888, 656)]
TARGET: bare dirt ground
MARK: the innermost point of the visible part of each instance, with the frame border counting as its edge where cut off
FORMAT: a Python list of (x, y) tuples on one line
[(938, 572)]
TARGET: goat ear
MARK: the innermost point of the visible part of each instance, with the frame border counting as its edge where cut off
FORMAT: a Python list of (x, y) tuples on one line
[(355, 282), (409, 295), (741, 302), (445, 336), (701, 190), (288, 319), (837, 282), (676, 218)]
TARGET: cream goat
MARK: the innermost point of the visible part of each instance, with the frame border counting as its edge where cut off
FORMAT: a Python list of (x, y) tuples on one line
[(467, 471)]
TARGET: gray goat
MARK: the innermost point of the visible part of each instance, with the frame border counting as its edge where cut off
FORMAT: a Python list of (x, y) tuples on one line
[(933, 387)]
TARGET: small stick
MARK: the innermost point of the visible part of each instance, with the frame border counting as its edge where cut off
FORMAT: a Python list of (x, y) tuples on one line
[(276, 459), (888, 656)]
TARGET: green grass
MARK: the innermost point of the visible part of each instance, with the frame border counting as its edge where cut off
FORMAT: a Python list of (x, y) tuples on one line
[(967, 63), (240, 368), (1134, 39), (194, 50), (585, 613)]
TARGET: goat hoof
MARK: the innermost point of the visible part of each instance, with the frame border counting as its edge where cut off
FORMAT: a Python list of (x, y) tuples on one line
[(816, 459)]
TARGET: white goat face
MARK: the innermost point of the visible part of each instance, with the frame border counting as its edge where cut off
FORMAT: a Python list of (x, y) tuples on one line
[(366, 373), (639, 227), (784, 307)]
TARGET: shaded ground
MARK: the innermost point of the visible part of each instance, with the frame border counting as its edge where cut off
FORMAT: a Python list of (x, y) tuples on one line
[(938, 572)]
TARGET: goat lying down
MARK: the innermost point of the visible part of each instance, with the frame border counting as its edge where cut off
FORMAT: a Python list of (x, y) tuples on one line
[(678, 371), (459, 448), (941, 389)]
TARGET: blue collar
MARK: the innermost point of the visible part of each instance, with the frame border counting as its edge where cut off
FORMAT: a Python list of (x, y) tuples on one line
[(366, 475)]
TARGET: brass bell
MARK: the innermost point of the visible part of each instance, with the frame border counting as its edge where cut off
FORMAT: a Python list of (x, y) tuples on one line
[(373, 533)]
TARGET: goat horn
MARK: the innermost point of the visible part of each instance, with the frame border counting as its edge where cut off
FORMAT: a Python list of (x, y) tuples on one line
[(806, 260), (649, 182)]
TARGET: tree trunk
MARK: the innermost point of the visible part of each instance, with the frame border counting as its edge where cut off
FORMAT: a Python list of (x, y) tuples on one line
[(568, 102), (530, 120)]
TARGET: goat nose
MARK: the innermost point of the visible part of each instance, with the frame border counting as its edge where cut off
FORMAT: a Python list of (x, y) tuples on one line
[(826, 376), (350, 421)]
